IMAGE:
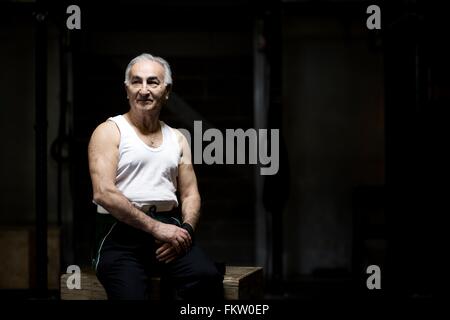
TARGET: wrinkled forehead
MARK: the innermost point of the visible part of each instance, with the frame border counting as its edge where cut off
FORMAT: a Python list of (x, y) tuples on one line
[(145, 69)]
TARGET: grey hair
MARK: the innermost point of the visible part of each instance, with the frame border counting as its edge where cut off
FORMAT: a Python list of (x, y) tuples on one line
[(149, 57)]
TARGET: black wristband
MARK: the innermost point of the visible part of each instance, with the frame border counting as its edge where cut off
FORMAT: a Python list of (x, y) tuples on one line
[(188, 228)]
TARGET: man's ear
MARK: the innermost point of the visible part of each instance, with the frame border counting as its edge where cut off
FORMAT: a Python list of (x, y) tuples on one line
[(168, 90)]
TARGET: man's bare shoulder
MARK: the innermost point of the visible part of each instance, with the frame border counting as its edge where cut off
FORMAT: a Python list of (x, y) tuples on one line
[(180, 137), (184, 147), (106, 132)]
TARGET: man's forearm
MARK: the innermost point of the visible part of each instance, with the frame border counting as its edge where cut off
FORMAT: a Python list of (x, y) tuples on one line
[(123, 210), (190, 210)]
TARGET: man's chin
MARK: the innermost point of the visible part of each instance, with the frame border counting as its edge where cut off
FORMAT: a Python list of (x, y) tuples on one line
[(146, 106), (144, 102)]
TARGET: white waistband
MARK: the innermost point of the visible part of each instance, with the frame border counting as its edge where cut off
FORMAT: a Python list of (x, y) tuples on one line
[(160, 207)]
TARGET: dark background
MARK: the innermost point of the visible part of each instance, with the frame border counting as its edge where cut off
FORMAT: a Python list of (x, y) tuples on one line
[(361, 115)]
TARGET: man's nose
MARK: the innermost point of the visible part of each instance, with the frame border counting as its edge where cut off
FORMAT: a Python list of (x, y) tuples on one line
[(145, 89)]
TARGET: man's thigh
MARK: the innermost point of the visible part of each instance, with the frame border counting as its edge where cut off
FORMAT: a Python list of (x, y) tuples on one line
[(123, 276)]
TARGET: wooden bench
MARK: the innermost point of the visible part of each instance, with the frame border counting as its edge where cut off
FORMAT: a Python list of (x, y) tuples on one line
[(240, 283)]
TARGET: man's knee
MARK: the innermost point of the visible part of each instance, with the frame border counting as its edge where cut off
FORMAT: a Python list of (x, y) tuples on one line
[(123, 281), (208, 284), (200, 279)]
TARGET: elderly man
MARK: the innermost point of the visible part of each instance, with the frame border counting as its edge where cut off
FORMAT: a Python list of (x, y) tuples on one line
[(137, 163)]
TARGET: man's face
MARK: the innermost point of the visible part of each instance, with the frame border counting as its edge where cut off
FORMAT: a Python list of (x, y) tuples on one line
[(146, 90)]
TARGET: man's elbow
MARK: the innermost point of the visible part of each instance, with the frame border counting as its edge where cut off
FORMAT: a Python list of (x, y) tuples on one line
[(99, 198), (102, 197), (193, 196)]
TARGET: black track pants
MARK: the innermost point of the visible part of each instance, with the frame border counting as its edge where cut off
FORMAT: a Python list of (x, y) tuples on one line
[(126, 259)]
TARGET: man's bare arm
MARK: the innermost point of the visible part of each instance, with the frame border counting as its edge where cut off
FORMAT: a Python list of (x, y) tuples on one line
[(189, 197), (187, 185), (103, 152)]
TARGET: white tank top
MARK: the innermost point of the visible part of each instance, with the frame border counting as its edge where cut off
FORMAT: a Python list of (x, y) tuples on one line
[(146, 175)]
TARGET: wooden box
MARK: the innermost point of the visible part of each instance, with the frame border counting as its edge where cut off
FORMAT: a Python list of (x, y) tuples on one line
[(18, 257), (242, 283), (239, 283)]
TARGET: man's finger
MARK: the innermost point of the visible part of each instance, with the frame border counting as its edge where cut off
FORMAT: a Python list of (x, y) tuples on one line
[(162, 248), (183, 243), (163, 254), (176, 245), (187, 239), (188, 236), (183, 240), (169, 256)]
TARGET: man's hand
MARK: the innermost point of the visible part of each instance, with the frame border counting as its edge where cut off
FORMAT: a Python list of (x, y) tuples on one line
[(166, 252), (178, 238)]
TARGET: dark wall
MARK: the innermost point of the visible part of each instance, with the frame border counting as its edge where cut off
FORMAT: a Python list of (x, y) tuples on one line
[(17, 119), (333, 106)]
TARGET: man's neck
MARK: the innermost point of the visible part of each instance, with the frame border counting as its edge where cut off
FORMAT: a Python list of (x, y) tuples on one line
[(144, 122)]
